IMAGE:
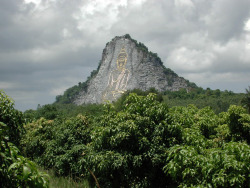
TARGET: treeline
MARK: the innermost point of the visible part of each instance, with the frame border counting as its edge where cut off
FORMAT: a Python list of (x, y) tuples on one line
[(53, 111), (218, 100)]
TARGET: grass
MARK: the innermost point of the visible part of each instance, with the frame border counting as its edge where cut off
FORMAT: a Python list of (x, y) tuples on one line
[(67, 182), (64, 182)]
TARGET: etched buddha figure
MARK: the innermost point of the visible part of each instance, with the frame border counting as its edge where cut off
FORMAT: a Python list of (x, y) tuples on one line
[(118, 78)]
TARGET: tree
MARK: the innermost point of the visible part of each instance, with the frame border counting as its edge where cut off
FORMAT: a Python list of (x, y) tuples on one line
[(128, 148), (48, 111), (13, 118), (239, 123), (58, 143), (15, 170), (246, 100)]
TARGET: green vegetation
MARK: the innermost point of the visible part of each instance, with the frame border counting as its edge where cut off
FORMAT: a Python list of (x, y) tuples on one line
[(64, 182), (12, 118), (246, 100), (53, 111), (142, 140), (15, 170), (57, 144), (118, 105), (218, 100)]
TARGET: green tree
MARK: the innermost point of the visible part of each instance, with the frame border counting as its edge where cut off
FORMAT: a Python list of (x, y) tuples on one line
[(12, 118), (205, 158), (147, 144), (15, 170), (128, 148), (246, 100), (239, 123), (58, 143), (48, 111)]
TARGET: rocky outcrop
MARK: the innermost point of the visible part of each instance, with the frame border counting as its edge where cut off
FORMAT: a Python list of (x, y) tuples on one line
[(127, 65)]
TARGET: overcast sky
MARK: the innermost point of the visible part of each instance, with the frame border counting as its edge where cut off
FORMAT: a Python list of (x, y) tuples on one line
[(47, 46)]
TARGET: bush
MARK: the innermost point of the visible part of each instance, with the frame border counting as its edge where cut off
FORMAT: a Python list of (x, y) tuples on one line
[(15, 170), (239, 123), (57, 143), (12, 118)]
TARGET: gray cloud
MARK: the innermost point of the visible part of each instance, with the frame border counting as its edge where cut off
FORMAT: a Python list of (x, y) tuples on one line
[(47, 46), (226, 20)]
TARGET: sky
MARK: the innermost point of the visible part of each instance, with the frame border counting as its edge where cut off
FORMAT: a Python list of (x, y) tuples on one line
[(47, 46)]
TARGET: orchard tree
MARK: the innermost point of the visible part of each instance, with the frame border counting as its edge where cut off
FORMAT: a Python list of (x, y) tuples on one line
[(15, 170), (12, 118), (129, 148), (246, 100)]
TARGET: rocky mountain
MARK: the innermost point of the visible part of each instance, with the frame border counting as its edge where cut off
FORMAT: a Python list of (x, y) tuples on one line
[(126, 65)]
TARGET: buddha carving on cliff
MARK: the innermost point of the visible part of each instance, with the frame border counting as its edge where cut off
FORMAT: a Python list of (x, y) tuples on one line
[(118, 78)]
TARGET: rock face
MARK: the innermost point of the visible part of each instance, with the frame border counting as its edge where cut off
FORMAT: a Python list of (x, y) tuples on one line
[(127, 65)]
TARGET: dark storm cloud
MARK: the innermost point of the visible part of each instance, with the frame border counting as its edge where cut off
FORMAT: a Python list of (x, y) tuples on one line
[(47, 46)]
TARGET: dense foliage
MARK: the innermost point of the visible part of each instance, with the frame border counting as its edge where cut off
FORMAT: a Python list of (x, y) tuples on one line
[(118, 104), (57, 143), (147, 144), (246, 100), (12, 118), (53, 111), (218, 100), (15, 170)]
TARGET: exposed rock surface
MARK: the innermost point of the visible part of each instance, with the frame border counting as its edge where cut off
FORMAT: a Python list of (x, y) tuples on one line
[(127, 65)]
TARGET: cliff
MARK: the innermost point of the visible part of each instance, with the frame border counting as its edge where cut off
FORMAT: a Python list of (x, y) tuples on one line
[(127, 65)]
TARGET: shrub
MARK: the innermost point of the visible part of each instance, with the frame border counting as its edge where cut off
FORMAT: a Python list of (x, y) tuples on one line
[(12, 118), (58, 143), (15, 170)]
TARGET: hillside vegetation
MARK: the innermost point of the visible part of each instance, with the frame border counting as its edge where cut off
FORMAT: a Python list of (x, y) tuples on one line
[(218, 100)]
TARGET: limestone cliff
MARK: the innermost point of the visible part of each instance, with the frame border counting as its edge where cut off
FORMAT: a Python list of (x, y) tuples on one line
[(127, 65)]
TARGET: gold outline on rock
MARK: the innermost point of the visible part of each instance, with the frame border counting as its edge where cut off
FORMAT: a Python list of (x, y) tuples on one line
[(118, 78)]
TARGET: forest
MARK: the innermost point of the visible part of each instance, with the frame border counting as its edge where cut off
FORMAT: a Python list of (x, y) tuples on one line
[(183, 139)]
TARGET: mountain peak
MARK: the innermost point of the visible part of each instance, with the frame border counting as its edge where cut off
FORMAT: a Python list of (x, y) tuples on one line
[(126, 65)]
